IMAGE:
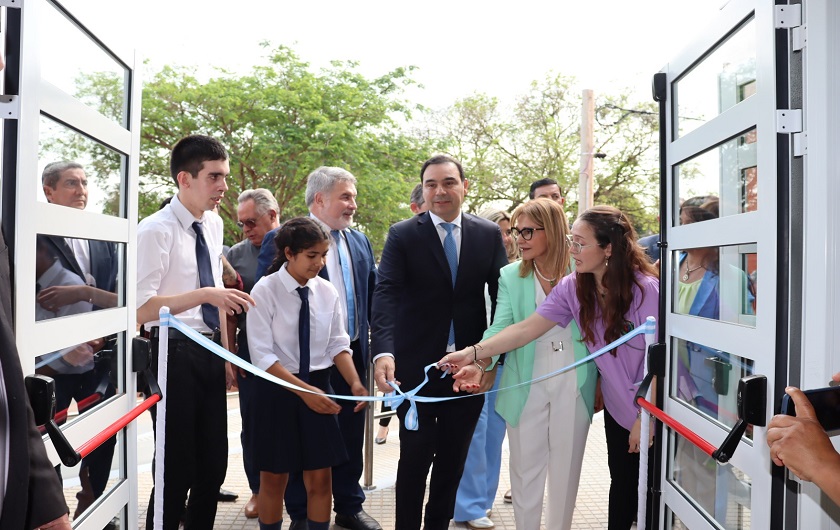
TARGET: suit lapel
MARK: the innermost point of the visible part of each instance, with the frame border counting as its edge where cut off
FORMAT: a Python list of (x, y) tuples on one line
[(429, 235)]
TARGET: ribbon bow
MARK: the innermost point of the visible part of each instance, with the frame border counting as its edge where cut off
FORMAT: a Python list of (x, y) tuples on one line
[(396, 398)]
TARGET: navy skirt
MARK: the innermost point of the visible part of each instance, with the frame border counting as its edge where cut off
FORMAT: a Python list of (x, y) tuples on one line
[(286, 435)]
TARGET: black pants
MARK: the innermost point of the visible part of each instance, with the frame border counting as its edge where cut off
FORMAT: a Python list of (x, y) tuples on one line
[(247, 402), (443, 439), (347, 493), (624, 475), (196, 436)]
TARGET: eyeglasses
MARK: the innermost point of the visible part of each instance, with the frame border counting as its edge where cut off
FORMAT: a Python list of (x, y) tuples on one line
[(526, 233), (250, 223), (574, 246)]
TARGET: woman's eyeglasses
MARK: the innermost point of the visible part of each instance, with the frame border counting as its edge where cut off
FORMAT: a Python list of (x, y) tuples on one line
[(574, 246), (526, 233)]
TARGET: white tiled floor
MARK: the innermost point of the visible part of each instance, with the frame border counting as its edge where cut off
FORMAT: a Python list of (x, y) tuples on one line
[(590, 512)]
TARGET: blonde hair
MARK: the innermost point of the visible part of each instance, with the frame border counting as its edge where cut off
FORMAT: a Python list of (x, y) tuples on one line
[(549, 215)]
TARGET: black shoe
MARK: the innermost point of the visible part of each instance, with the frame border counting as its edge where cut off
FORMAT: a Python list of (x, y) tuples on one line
[(300, 524), (227, 496), (360, 521)]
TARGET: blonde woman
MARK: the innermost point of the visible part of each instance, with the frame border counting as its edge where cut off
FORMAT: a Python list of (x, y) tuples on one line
[(547, 422)]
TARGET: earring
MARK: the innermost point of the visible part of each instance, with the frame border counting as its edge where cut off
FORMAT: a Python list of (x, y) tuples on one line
[(607, 263)]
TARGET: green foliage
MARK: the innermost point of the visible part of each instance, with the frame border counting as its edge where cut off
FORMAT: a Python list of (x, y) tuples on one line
[(504, 149), (279, 122)]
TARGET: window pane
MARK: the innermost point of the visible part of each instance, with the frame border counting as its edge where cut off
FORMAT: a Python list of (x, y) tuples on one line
[(71, 61), (722, 180), (718, 283), (95, 187), (706, 379), (720, 81), (722, 492)]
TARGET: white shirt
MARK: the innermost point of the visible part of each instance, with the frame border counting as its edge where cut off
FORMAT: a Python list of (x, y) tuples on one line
[(456, 232), (166, 263), (58, 275), (273, 323), (337, 277), (81, 250)]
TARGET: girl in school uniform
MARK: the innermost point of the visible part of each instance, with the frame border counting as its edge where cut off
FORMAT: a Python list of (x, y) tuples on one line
[(294, 430)]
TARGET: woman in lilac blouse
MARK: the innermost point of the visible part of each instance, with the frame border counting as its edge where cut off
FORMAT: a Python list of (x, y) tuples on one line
[(613, 290)]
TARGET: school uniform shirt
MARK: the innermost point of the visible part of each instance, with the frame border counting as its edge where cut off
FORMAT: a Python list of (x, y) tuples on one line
[(166, 262), (273, 323)]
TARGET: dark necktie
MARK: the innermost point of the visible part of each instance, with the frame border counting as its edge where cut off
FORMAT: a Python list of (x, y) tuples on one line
[(303, 333), (451, 252), (344, 261), (205, 276)]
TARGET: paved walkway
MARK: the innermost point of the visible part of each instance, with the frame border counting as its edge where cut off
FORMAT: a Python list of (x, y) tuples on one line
[(590, 512)]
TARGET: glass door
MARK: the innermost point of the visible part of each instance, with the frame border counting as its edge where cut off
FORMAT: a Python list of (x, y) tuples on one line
[(70, 170), (724, 163)]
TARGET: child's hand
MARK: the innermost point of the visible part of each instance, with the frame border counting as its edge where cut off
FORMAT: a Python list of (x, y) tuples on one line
[(358, 389), (319, 402)]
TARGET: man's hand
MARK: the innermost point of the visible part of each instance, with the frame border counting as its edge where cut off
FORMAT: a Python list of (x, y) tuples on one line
[(467, 379), (383, 372), (319, 402), (800, 443), (80, 355), (62, 523), (230, 301), (230, 377), (358, 389)]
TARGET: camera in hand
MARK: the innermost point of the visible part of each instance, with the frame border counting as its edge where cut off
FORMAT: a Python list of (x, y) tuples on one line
[(826, 403)]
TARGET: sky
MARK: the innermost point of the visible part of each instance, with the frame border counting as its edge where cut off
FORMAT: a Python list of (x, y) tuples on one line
[(459, 46)]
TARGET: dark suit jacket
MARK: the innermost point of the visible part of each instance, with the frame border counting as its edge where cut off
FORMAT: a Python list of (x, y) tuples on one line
[(415, 301), (103, 261), (34, 494), (364, 281)]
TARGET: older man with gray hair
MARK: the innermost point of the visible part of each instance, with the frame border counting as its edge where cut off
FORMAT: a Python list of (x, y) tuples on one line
[(331, 198), (257, 214)]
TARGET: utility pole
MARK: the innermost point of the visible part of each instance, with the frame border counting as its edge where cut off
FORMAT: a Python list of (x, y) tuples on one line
[(585, 187)]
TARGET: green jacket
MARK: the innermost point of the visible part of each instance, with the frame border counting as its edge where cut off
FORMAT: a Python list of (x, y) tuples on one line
[(515, 302)]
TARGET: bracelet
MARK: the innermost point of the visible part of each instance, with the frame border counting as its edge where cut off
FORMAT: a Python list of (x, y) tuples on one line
[(475, 348)]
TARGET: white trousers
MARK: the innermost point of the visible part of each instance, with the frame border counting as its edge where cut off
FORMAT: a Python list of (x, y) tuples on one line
[(549, 440)]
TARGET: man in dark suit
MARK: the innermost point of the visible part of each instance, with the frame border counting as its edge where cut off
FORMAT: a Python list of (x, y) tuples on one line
[(429, 299), (331, 198), (96, 263), (31, 495)]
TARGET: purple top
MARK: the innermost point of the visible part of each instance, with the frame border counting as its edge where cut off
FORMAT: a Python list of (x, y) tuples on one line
[(623, 372)]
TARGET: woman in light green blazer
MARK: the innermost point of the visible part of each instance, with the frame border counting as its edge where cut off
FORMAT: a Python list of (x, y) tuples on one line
[(547, 421)]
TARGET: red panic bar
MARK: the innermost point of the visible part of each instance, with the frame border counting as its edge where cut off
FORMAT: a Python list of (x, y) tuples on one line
[(88, 447), (681, 429)]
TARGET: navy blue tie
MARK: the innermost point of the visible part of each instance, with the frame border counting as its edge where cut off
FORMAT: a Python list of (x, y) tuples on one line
[(451, 252), (205, 276), (303, 334)]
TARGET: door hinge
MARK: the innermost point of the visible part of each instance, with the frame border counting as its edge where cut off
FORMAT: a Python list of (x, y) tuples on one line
[(789, 121), (800, 144), (799, 37), (788, 16), (9, 107)]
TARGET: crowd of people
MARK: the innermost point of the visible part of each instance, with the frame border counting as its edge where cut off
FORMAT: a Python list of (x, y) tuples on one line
[(496, 299)]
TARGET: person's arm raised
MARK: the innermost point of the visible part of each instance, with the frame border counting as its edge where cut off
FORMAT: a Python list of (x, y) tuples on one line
[(510, 338)]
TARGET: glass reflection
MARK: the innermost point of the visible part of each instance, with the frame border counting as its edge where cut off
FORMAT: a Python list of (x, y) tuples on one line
[(727, 173), (720, 81), (74, 63), (716, 282), (78, 172), (88, 483), (723, 492), (706, 379)]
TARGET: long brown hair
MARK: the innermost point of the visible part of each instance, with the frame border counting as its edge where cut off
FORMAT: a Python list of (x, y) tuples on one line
[(611, 227), (549, 215)]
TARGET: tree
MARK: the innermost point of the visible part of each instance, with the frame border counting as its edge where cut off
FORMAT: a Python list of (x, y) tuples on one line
[(505, 148), (279, 122)]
